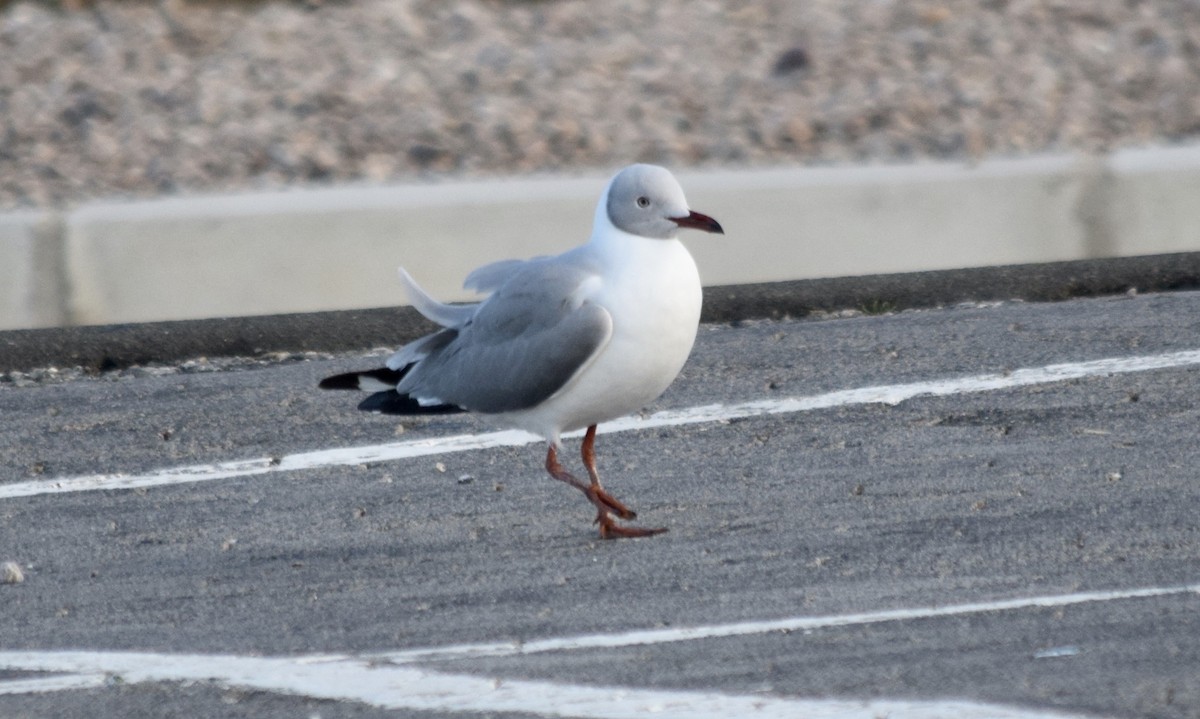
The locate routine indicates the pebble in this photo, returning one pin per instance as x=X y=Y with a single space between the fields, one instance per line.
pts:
x=108 y=99
x=10 y=573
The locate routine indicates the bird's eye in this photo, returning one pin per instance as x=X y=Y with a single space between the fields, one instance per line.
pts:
x=643 y=202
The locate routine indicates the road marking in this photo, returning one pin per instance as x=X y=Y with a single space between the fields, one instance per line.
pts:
x=791 y=624
x=58 y=683
x=394 y=451
x=414 y=689
x=393 y=681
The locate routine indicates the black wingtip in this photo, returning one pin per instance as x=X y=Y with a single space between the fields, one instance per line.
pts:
x=348 y=380
x=392 y=402
x=369 y=380
x=384 y=401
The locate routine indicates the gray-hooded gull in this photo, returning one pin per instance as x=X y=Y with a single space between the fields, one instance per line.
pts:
x=565 y=342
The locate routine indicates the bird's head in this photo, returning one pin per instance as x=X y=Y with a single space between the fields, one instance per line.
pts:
x=646 y=200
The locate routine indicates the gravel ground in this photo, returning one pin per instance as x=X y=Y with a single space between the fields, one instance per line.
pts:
x=128 y=98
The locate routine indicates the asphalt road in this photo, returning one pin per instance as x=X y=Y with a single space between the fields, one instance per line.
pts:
x=890 y=536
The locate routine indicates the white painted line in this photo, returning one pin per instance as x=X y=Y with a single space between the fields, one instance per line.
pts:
x=410 y=688
x=57 y=683
x=391 y=680
x=393 y=451
x=1069 y=650
x=348 y=456
x=791 y=624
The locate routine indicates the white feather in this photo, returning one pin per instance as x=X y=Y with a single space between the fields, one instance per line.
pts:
x=445 y=315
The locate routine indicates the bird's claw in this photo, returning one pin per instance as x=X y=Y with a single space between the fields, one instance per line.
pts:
x=611 y=530
x=606 y=502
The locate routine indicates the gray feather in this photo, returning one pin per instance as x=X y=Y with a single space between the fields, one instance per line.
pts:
x=523 y=344
x=434 y=311
x=491 y=276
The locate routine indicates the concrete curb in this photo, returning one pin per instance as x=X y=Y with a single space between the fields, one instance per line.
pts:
x=101 y=348
x=309 y=250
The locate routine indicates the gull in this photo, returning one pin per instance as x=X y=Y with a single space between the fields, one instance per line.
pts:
x=565 y=342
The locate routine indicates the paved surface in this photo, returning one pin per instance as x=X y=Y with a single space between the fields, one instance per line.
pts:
x=1075 y=499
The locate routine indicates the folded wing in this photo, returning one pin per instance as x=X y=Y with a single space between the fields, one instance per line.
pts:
x=520 y=346
x=512 y=351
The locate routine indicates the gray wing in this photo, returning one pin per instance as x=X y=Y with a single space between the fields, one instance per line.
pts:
x=491 y=276
x=523 y=344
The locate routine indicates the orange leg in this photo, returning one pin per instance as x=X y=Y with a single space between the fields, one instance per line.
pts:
x=588 y=452
x=606 y=505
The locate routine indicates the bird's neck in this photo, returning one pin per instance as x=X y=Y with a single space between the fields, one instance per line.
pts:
x=616 y=248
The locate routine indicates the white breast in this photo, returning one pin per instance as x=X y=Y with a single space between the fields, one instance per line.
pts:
x=652 y=290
